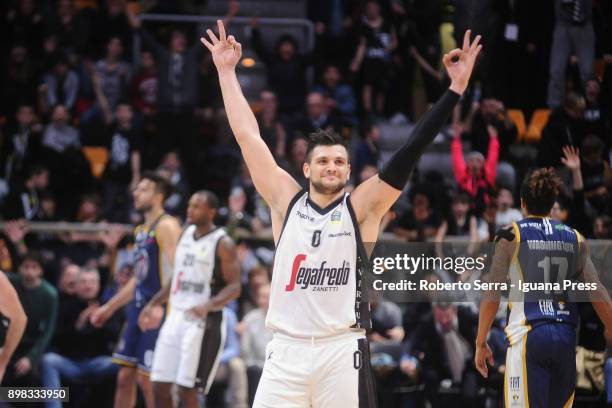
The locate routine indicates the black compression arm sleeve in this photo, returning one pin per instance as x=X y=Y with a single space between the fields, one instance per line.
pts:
x=397 y=170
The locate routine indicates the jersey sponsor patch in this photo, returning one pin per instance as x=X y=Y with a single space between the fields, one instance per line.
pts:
x=321 y=278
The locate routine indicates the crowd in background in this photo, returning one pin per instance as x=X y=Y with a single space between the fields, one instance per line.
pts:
x=69 y=82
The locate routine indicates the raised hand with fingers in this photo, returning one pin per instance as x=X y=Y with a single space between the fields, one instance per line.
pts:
x=459 y=62
x=226 y=51
x=571 y=157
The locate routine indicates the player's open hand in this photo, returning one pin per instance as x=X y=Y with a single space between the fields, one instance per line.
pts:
x=459 y=63
x=226 y=51
x=483 y=356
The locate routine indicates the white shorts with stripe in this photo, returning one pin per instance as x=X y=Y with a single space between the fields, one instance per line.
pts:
x=187 y=351
x=319 y=373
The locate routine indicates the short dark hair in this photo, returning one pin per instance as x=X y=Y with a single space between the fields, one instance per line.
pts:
x=592 y=145
x=211 y=198
x=35 y=170
x=540 y=190
x=161 y=184
x=323 y=138
x=33 y=256
x=461 y=197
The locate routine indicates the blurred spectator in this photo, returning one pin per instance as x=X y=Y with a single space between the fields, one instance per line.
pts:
x=338 y=95
x=255 y=204
x=254 y=337
x=23 y=201
x=492 y=112
x=420 y=223
x=122 y=171
x=317 y=117
x=144 y=88
x=367 y=152
x=112 y=75
x=24 y=24
x=177 y=74
x=386 y=323
x=573 y=35
x=461 y=222
x=20 y=146
x=602 y=227
x=296 y=160
x=334 y=20
x=594 y=114
x=590 y=352
x=571 y=211
x=373 y=57
x=59 y=136
x=60 y=86
x=507 y=213
x=80 y=353
x=440 y=353
x=286 y=69
x=110 y=21
x=39 y=300
x=476 y=176
x=236 y=216
x=231 y=370
x=172 y=169
x=564 y=128
x=67 y=284
x=596 y=174
x=88 y=210
x=271 y=128
x=418 y=25
x=69 y=29
x=19 y=80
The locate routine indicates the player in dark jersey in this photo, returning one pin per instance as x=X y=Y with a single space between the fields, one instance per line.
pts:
x=539 y=254
x=12 y=322
x=155 y=242
x=338 y=376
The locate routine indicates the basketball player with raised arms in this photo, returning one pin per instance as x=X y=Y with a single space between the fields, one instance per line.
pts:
x=155 y=242
x=319 y=355
x=206 y=278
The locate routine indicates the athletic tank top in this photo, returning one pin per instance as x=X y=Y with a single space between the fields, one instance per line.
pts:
x=150 y=268
x=197 y=273
x=317 y=277
x=547 y=253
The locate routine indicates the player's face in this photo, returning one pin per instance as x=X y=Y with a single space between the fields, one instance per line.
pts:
x=198 y=211
x=328 y=169
x=144 y=195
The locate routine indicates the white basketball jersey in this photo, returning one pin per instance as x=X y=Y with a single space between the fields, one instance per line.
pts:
x=316 y=280
x=195 y=268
